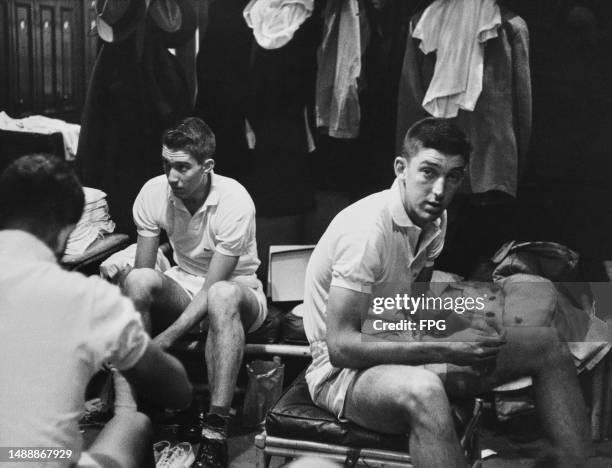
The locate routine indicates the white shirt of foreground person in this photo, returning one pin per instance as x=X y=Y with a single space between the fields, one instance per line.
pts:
x=57 y=328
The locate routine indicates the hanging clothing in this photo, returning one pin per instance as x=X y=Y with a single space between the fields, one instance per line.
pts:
x=457 y=31
x=274 y=22
x=133 y=96
x=345 y=38
x=240 y=82
x=500 y=125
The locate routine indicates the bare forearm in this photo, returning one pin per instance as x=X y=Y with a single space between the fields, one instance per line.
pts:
x=193 y=314
x=352 y=351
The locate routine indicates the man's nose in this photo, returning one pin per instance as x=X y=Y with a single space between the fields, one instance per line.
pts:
x=173 y=175
x=439 y=187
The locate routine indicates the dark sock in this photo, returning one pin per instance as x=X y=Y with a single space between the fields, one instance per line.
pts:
x=216 y=423
x=222 y=411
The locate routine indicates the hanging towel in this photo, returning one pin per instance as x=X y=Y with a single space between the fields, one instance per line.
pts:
x=275 y=21
x=345 y=37
x=457 y=31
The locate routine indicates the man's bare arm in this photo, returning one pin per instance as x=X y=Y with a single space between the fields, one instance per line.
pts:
x=161 y=377
x=146 y=252
x=221 y=268
x=347 y=349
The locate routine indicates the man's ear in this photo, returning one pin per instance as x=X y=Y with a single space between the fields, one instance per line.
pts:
x=399 y=165
x=208 y=165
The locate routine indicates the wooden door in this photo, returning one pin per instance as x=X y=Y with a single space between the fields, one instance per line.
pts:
x=5 y=54
x=24 y=95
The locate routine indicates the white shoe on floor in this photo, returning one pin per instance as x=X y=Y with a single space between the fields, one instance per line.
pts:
x=159 y=448
x=179 y=456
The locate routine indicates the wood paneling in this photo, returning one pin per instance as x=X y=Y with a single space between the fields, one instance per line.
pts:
x=24 y=46
x=48 y=59
x=4 y=54
x=45 y=53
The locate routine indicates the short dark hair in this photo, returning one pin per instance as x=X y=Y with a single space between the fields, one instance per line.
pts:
x=440 y=134
x=41 y=189
x=193 y=136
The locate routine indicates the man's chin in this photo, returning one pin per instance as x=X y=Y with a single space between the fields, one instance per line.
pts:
x=431 y=214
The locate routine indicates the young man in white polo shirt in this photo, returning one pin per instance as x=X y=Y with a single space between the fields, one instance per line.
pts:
x=397 y=382
x=210 y=222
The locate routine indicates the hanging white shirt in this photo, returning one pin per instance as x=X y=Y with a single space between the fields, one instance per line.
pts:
x=457 y=31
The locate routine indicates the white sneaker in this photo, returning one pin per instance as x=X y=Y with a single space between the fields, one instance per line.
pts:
x=159 y=448
x=179 y=456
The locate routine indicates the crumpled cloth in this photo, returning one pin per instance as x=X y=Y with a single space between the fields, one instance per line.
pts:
x=45 y=125
x=457 y=31
x=275 y=21
x=114 y=264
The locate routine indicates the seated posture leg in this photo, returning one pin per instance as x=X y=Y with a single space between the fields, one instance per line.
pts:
x=538 y=352
x=125 y=441
x=232 y=309
x=159 y=298
x=396 y=399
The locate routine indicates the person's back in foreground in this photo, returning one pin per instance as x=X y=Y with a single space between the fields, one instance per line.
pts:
x=399 y=381
x=58 y=329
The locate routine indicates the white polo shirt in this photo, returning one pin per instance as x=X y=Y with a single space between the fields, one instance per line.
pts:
x=372 y=247
x=225 y=223
x=56 y=330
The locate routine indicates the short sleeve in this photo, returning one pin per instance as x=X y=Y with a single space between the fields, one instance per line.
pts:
x=116 y=332
x=146 y=210
x=355 y=263
x=437 y=244
x=235 y=224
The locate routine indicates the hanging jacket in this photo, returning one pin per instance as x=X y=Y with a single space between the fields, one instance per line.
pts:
x=500 y=125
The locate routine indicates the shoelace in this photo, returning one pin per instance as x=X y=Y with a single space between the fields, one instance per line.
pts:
x=174 y=457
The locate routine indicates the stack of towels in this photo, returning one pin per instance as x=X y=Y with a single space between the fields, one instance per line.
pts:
x=94 y=223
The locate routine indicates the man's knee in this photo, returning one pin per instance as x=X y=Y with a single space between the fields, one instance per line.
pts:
x=423 y=399
x=540 y=348
x=548 y=346
x=223 y=302
x=141 y=281
x=143 y=425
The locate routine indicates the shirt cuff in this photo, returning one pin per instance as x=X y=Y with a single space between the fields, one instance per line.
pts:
x=224 y=251
x=352 y=285
x=147 y=233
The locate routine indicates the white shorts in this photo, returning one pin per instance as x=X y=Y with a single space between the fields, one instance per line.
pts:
x=192 y=285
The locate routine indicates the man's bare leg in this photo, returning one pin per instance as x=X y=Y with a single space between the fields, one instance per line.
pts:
x=397 y=399
x=156 y=296
x=126 y=440
x=537 y=352
x=232 y=308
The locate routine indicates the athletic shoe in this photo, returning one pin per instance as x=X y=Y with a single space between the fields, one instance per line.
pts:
x=213 y=450
x=159 y=448
x=179 y=456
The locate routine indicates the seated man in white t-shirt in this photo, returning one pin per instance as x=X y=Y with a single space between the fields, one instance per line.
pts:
x=58 y=328
x=210 y=222
x=396 y=380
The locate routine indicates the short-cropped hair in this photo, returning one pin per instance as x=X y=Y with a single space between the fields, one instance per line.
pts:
x=443 y=135
x=193 y=136
x=42 y=189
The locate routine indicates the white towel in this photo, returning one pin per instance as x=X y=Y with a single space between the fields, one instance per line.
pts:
x=457 y=31
x=275 y=21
